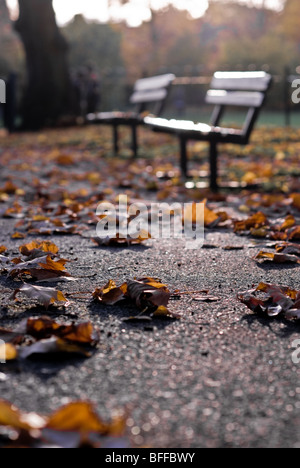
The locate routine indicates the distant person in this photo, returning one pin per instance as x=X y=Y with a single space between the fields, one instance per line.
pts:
x=93 y=91
x=180 y=101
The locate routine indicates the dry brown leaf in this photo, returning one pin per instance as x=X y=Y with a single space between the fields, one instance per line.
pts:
x=10 y=416
x=41 y=268
x=279 y=300
x=294 y=233
x=211 y=218
x=18 y=235
x=36 y=249
x=289 y=222
x=58 y=265
x=79 y=417
x=255 y=221
x=277 y=257
x=120 y=240
x=164 y=312
x=288 y=248
x=145 y=293
x=44 y=296
x=44 y=327
x=110 y=294
x=148 y=292
x=74 y=425
x=8 y=352
x=53 y=345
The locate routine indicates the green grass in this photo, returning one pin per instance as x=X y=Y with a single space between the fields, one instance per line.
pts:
x=267 y=117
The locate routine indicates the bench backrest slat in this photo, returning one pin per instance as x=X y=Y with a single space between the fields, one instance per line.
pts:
x=148 y=96
x=238 y=89
x=241 y=81
x=235 y=98
x=152 y=90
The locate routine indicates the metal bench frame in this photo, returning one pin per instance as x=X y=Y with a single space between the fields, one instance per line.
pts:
x=227 y=89
x=148 y=93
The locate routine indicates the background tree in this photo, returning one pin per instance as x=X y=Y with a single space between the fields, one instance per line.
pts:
x=48 y=91
x=290 y=20
x=11 y=54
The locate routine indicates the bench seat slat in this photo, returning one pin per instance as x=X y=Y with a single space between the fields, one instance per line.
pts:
x=195 y=131
x=148 y=94
x=114 y=118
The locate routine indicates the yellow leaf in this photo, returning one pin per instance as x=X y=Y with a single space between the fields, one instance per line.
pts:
x=8 y=352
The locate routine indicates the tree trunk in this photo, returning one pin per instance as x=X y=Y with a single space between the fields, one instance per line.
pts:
x=48 y=92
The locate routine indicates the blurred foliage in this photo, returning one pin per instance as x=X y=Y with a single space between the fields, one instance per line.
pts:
x=94 y=43
x=98 y=47
x=11 y=53
x=229 y=36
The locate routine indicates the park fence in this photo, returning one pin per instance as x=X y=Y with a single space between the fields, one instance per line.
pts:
x=187 y=95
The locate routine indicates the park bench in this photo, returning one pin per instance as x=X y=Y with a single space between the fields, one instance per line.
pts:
x=149 y=94
x=227 y=89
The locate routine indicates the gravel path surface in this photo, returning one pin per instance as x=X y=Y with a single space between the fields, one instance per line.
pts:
x=219 y=377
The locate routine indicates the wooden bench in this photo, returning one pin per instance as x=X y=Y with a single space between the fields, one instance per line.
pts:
x=227 y=89
x=149 y=95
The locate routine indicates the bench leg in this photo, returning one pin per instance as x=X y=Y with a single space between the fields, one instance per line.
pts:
x=134 y=140
x=116 y=139
x=183 y=156
x=213 y=159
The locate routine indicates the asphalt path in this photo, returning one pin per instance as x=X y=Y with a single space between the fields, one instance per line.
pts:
x=221 y=376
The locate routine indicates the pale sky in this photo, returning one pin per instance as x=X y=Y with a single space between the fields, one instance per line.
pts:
x=135 y=12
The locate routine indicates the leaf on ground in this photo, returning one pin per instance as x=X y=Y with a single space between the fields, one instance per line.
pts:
x=121 y=240
x=77 y=417
x=18 y=235
x=277 y=257
x=255 y=221
x=58 y=265
x=8 y=352
x=10 y=416
x=193 y=215
x=41 y=268
x=44 y=296
x=36 y=249
x=74 y=425
x=110 y=294
x=148 y=292
x=164 y=312
x=288 y=223
x=288 y=248
x=278 y=300
x=4 y=261
x=53 y=345
x=44 y=327
x=295 y=200
x=294 y=233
